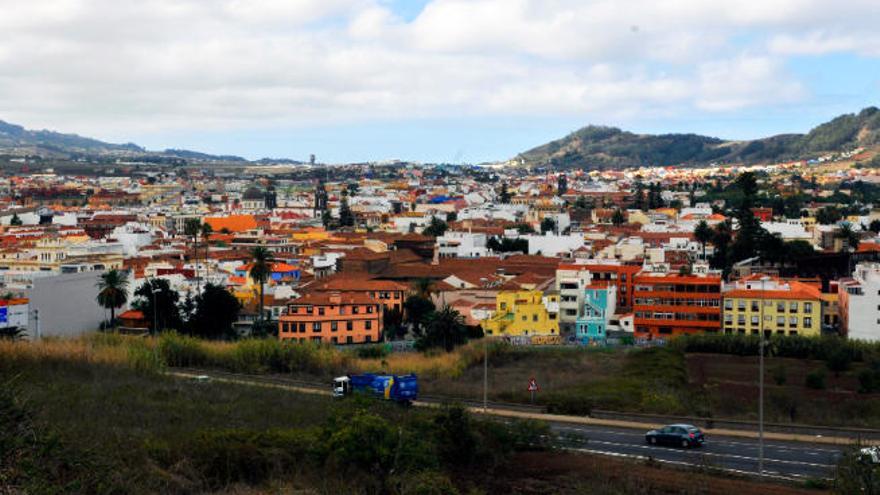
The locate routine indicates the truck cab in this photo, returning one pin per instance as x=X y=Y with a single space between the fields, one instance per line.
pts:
x=341 y=386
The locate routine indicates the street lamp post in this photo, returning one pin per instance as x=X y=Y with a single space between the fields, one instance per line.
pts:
x=761 y=389
x=485 y=374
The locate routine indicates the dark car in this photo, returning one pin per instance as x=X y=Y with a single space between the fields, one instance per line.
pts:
x=677 y=435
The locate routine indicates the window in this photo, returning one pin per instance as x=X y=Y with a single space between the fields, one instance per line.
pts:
x=728 y=304
x=302 y=328
x=754 y=320
x=534 y=317
x=741 y=304
x=334 y=340
x=780 y=307
x=793 y=321
x=780 y=321
x=309 y=310
x=808 y=322
x=808 y=307
x=741 y=320
x=369 y=309
x=333 y=326
x=316 y=326
x=294 y=310
x=524 y=318
x=369 y=338
x=321 y=311
x=349 y=340
x=368 y=325
x=503 y=306
x=355 y=310
x=728 y=318
x=349 y=326
x=755 y=306
x=793 y=307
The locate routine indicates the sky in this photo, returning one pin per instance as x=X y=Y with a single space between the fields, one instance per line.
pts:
x=462 y=81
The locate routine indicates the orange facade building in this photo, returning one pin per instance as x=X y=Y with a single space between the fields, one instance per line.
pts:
x=669 y=305
x=332 y=318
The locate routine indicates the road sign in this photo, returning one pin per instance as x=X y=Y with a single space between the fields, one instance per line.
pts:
x=533 y=385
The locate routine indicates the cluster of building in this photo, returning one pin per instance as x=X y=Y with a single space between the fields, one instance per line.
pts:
x=546 y=257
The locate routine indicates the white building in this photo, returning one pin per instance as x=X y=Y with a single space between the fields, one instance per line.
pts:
x=463 y=245
x=554 y=245
x=571 y=280
x=859 y=299
x=14 y=313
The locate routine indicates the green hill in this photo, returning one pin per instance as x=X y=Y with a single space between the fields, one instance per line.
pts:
x=610 y=147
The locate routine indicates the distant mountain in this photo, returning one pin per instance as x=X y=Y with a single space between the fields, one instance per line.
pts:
x=16 y=140
x=16 y=136
x=610 y=147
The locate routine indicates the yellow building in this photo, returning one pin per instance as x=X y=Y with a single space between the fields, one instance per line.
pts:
x=774 y=306
x=524 y=313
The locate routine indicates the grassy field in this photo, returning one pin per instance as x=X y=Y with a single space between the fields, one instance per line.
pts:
x=94 y=416
x=572 y=379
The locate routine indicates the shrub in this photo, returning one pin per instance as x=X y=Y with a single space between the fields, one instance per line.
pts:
x=372 y=352
x=144 y=358
x=779 y=374
x=839 y=360
x=181 y=350
x=816 y=379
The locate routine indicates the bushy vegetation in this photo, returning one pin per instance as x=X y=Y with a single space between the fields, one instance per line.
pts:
x=836 y=351
x=652 y=380
x=186 y=437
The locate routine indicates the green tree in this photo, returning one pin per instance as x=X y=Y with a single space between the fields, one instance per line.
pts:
x=113 y=291
x=261 y=270
x=849 y=236
x=15 y=221
x=504 y=197
x=436 y=228
x=444 y=328
x=721 y=241
x=346 y=217
x=524 y=228
x=703 y=234
x=416 y=310
x=216 y=311
x=548 y=225
x=828 y=215
x=159 y=303
x=206 y=232
x=639 y=196
x=874 y=226
x=618 y=218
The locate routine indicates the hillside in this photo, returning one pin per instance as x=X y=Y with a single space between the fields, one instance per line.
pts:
x=610 y=147
x=16 y=140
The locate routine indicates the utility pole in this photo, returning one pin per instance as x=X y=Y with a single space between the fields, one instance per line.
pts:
x=761 y=389
x=485 y=374
x=37 y=323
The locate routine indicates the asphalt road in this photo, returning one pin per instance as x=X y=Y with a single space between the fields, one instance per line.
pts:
x=782 y=460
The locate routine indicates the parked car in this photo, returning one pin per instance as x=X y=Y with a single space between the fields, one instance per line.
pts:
x=677 y=435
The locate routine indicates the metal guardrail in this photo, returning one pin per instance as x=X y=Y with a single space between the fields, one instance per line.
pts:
x=737 y=424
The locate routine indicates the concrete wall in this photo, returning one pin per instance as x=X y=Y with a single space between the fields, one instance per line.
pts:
x=66 y=304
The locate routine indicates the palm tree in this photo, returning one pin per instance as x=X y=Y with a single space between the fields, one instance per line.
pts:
x=113 y=291
x=703 y=233
x=446 y=329
x=261 y=269
x=191 y=228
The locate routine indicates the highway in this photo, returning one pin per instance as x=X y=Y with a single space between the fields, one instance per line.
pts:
x=783 y=460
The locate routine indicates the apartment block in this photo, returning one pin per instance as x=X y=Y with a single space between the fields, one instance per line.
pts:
x=772 y=306
x=332 y=318
x=668 y=305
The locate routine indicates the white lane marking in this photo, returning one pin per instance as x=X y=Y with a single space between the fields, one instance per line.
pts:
x=769 y=474
x=711 y=454
x=712 y=439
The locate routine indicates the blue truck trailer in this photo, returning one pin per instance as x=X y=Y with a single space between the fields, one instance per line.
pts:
x=398 y=388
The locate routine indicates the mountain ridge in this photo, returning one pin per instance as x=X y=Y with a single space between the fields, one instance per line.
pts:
x=596 y=146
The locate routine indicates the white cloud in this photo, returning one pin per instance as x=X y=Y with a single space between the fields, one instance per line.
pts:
x=114 y=68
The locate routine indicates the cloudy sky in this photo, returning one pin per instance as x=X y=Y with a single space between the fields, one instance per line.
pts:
x=432 y=80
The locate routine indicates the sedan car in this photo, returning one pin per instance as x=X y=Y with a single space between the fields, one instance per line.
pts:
x=677 y=435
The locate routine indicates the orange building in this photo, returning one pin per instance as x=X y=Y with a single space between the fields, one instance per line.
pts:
x=333 y=318
x=667 y=305
x=389 y=293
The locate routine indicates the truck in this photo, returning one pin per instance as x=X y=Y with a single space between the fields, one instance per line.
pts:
x=402 y=389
